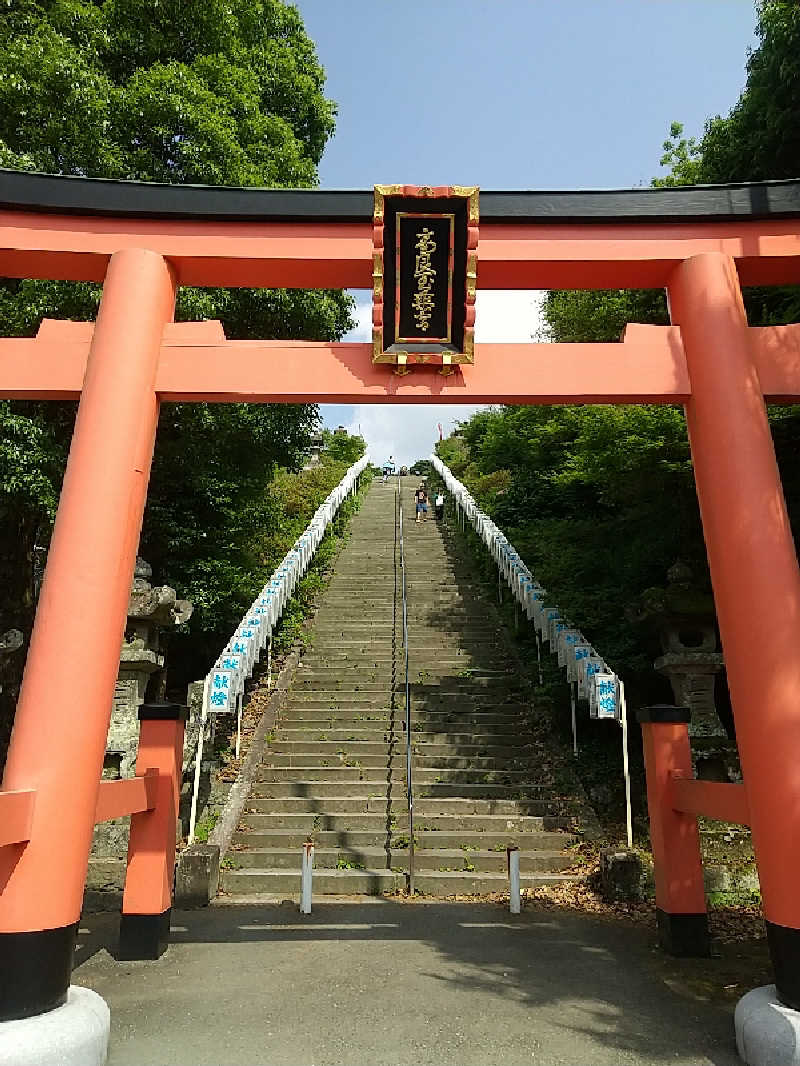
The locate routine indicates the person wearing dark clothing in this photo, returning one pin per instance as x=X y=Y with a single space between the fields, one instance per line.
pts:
x=421 y=502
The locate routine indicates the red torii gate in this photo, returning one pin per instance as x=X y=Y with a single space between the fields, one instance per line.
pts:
x=142 y=241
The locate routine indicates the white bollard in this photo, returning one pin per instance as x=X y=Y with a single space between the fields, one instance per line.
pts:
x=269 y=663
x=305 y=878
x=198 y=764
x=513 y=880
x=239 y=701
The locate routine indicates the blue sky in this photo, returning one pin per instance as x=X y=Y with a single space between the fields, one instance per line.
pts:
x=512 y=94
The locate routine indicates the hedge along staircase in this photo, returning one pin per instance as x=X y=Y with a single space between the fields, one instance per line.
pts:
x=335 y=770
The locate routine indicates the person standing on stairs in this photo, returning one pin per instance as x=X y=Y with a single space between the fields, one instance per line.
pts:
x=438 y=507
x=421 y=502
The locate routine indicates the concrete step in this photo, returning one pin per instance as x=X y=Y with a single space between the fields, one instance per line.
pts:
x=421 y=632
x=329 y=652
x=301 y=771
x=508 y=720
x=351 y=617
x=333 y=758
x=351 y=581
x=420 y=690
x=292 y=838
x=427 y=749
x=426 y=764
x=456 y=654
x=424 y=807
x=436 y=699
x=475 y=798
x=325 y=882
x=258 y=804
x=330 y=793
x=436 y=679
x=437 y=770
x=382 y=593
x=494 y=743
x=381 y=659
x=324 y=788
x=462 y=883
x=397 y=838
x=315 y=746
x=383 y=634
x=384 y=604
x=368 y=645
x=353 y=882
x=344 y=821
x=376 y=858
x=447 y=659
x=453 y=618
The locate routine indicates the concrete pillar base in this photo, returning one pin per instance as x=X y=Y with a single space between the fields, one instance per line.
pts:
x=767 y=1033
x=73 y=1035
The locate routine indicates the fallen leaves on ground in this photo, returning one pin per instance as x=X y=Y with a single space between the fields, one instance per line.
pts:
x=728 y=923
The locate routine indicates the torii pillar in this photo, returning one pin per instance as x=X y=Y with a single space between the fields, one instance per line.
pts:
x=59 y=753
x=756 y=581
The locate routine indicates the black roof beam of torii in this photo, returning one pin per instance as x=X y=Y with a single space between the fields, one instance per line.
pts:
x=67 y=195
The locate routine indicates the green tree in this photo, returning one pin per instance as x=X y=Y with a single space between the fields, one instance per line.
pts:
x=214 y=93
x=629 y=468
x=600 y=500
x=342 y=447
x=758 y=140
x=581 y=492
x=760 y=137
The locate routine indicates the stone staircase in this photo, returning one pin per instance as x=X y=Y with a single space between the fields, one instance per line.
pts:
x=335 y=770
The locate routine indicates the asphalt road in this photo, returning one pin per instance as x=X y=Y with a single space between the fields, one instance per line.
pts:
x=394 y=984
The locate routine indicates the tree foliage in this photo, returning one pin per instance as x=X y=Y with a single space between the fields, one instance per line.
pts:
x=223 y=92
x=241 y=552
x=601 y=500
x=227 y=93
x=342 y=447
x=598 y=500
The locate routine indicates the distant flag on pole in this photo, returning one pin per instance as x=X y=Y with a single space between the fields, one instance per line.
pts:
x=440 y=430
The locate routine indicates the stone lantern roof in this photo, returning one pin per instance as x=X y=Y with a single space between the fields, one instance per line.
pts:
x=684 y=620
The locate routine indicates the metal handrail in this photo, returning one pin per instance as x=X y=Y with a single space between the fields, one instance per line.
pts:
x=409 y=777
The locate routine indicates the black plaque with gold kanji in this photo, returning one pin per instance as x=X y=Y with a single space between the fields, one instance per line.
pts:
x=424 y=274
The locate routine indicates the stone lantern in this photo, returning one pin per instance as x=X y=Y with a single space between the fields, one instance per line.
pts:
x=141 y=669
x=684 y=620
x=10 y=642
x=142 y=675
x=314 y=451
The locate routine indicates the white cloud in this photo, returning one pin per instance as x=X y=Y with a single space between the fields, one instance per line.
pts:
x=409 y=431
x=507 y=316
x=405 y=431
x=362 y=313
x=501 y=315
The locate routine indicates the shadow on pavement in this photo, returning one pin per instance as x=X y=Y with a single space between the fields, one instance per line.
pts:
x=587 y=984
